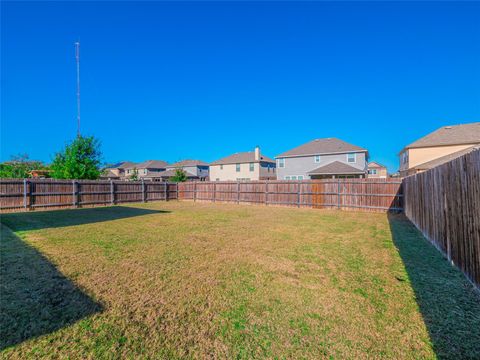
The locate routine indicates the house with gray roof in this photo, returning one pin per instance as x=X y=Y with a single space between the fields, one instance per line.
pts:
x=438 y=147
x=322 y=159
x=194 y=169
x=243 y=166
x=147 y=170
x=116 y=171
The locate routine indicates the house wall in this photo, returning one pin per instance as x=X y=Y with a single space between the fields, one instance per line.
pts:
x=199 y=171
x=301 y=165
x=381 y=172
x=417 y=156
x=229 y=173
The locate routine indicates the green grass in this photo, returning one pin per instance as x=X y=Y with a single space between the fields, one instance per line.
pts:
x=184 y=280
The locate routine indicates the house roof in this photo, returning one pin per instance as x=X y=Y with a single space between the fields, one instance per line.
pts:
x=109 y=174
x=188 y=162
x=442 y=160
x=171 y=172
x=149 y=164
x=242 y=157
x=375 y=164
x=322 y=146
x=121 y=165
x=334 y=168
x=450 y=135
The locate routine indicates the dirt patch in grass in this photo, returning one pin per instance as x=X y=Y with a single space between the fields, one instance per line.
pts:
x=184 y=280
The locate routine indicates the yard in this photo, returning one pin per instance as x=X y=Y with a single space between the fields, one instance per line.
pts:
x=191 y=280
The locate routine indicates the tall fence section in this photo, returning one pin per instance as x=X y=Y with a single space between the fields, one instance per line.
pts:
x=360 y=194
x=29 y=194
x=444 y=203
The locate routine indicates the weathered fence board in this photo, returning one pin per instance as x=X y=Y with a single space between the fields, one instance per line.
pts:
x=360 y=194
x=444 y=203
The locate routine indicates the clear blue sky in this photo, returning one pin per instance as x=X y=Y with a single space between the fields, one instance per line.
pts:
x=199 y=80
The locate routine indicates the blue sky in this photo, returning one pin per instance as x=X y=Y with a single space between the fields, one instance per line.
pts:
x=174 y=80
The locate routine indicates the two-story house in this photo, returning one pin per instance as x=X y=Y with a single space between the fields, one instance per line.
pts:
x=243 y=166
x=194 y=169
x=377 y=170
x=321 y=159
x=117 y=171
x=147 y=170
x=438 y=147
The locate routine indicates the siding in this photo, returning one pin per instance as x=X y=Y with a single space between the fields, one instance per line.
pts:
x=301 y=165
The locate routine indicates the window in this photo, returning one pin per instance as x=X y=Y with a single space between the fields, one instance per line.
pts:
x=317 y=158
x=372 y=171
x=217 y=179
x=287 y=177
x=294 y=177
x=145 y=171
x=300 y=177
x=237 y=167
x=252 y=166
x=221 y=167
x=351 y=157
x=281 y=163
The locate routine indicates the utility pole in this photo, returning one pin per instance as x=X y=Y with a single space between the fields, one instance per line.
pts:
x=77 y=58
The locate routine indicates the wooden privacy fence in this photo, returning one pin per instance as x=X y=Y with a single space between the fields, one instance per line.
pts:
x=444 y=203
x=360 y=194
x=29 y=194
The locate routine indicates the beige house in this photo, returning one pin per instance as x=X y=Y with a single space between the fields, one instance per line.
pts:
x=438 y=147
x=376 y=170
x=243 y=166
x=117 y=171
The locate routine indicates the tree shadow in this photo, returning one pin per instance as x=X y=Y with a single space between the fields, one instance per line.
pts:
x=448 y=302
x=36 y=298
x=60 y=218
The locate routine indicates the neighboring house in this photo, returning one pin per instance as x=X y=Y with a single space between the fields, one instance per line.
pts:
x=438 y=147
x=116 y=171
x=322 y=159
x=147 y=170
x=194 y=169
x=377 y=170
x=243 y=166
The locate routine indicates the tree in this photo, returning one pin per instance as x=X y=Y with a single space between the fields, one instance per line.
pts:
x=79 y=160
x=134 y=176
x=180 y=176
x=20 y=166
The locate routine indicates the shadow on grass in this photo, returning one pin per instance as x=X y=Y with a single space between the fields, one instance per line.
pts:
x=449 y=304
x=60 y=218
x=36 y=298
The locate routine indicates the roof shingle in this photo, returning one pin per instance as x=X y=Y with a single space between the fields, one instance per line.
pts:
x=188 y=162
x=450 y=135
x=334 y=168
x=242 y=157
x=322 y=146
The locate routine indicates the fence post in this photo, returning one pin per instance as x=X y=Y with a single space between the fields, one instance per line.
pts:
x=194 y=191
x=266 y=192
x=299 y=193
x=143 y=190
x=338 y=194
x=214 y=188
x=25 y=194
x=165 y=190
x=112 y=193
x=238 y=192
x=177 y=190
x=74 y=193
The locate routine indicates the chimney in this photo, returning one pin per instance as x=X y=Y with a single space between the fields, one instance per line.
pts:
x=257 y=153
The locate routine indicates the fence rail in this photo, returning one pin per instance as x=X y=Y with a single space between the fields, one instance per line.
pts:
x=444 y=203
x=363 y=194
x=29 y=194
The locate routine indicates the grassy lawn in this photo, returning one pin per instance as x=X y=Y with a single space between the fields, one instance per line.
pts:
x=184 y=280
